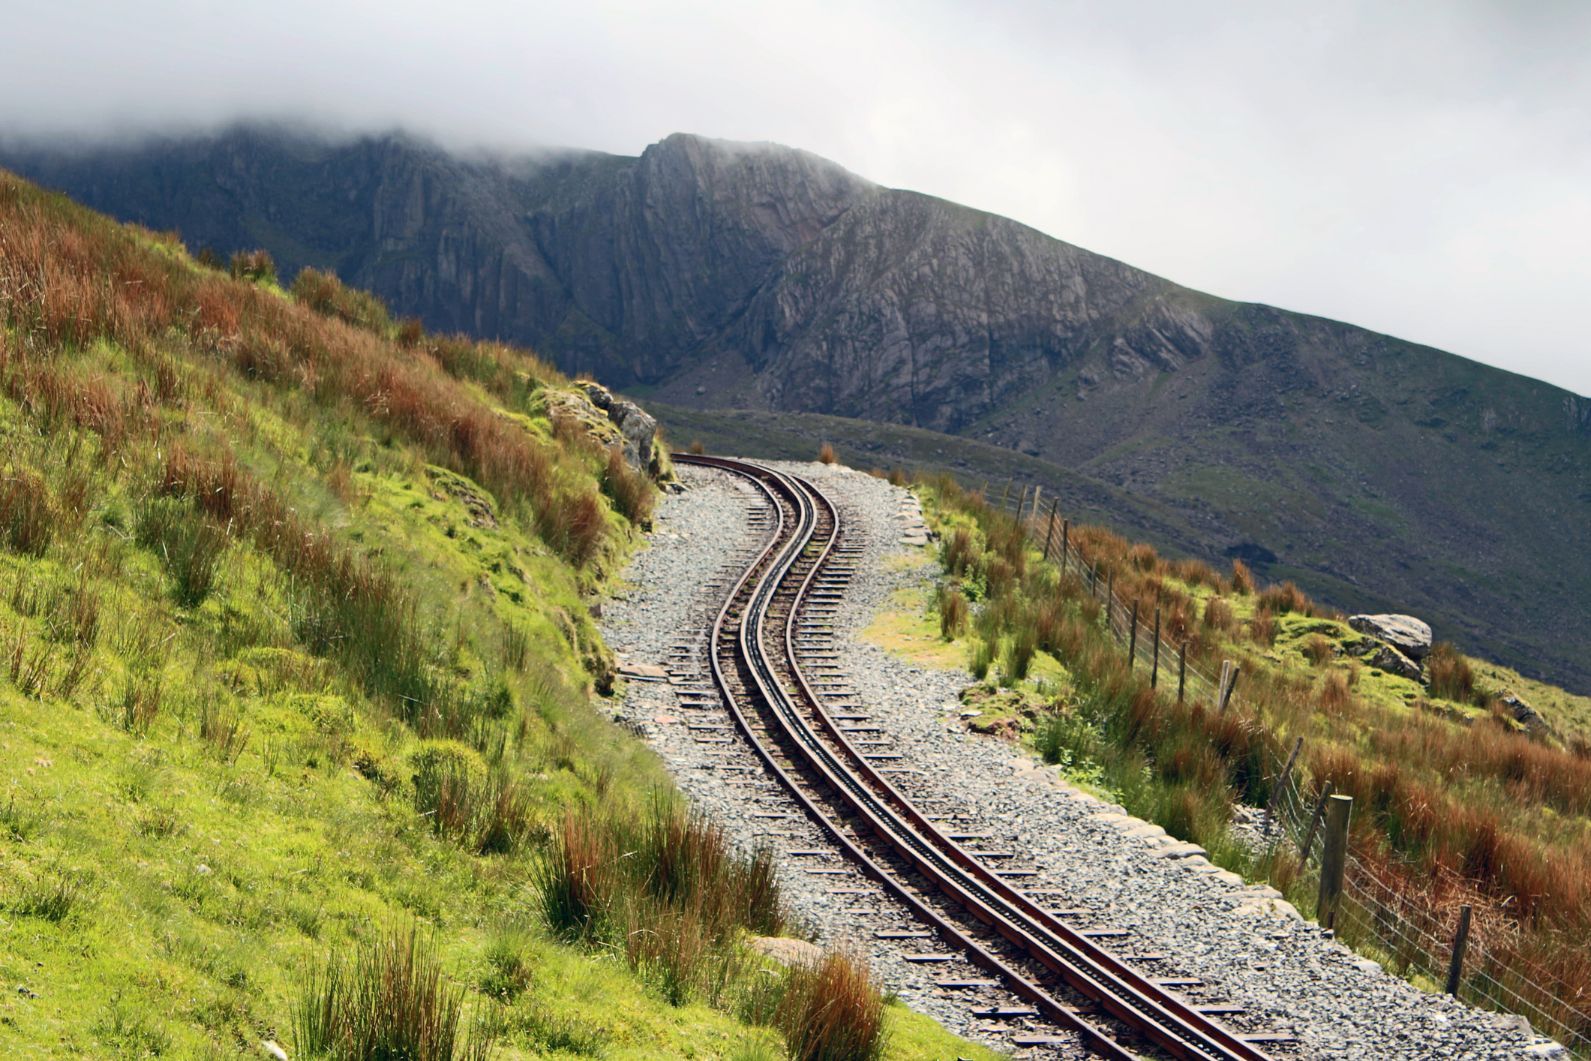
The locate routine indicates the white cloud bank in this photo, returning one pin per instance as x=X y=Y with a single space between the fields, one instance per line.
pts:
x=1423 y=168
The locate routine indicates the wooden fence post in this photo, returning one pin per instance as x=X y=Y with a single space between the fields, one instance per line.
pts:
x=1110 y=592
x=1455 y=965
x=1005 y=495
x=1033 y=509
x=1182 y=670
x=1154 y=669
x=1277 y=789
x=1334 y=862
x=1049 y=535
x=1022 y=503
x=1314 y=822
x=1228 y=683
x=1132 y=637
x=1066 y=543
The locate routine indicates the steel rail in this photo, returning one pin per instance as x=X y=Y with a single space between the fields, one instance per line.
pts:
x=1095 y=972
x=1120 y=991
x=1019 y=984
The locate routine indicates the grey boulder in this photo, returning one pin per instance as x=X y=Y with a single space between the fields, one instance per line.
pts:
x=636 y=425
x=1408 y=635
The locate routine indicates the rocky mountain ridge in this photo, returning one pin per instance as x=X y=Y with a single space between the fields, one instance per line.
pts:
x=1378 y=473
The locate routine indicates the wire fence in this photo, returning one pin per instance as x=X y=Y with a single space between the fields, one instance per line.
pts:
x=1403 y=928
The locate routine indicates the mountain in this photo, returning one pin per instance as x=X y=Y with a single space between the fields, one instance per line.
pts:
x=707 y=275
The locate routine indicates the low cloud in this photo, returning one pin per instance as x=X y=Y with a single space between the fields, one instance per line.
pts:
x=1423 y=169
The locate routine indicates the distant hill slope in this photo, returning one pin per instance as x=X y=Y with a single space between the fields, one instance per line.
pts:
x=707 y=275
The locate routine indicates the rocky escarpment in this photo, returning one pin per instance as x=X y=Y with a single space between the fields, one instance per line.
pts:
x=1375 y=472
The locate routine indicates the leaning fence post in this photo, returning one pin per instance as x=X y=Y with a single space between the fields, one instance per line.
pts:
x=1005 y=495
x=1066 y=543
x=1022 y=503
x=1228 y=683
x=1033 y=509
x=1182 y=670
x=1132 y=637
x=1314 y=822
x=1455 y=965
x=1276 y=790
x=1334 y=861
x=1154 y=670
x=1049 y=535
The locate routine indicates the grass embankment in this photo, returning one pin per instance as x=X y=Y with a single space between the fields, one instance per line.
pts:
x=296 y=673
x=1455 y=802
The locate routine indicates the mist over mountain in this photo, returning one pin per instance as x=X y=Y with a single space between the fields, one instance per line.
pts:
x=1378 y=473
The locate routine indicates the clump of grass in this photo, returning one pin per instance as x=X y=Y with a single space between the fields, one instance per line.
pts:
x=1020 y=649
x=1063 y=738
x=696 y=447
x=1262 y=628
x=576 y=883
x=1242 y=578
x=1334 y=695
x=391 y=1002
x=1450 y=674
x=51 y=897
x=488 y=812
x=1318 y=649
x=325 y=293
x=27 y=664
x=1286 y=597
x=959 y=552
x=982 y=658
x=504 y=821
x=826 y=454
x=1218 y=616
x=189 y=544
x=630 y=490
x=953 y=612
x=508 y=971
x=141 y=700
x=27 y=512
x=832 y=1010
x=17 y=821
x=410 y=332
x=667 y=888
x=221 y=727
x=257 y=265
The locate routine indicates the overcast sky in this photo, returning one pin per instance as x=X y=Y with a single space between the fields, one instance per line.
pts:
x=1419 y=168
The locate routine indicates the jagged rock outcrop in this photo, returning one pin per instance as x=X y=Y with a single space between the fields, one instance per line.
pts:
x=760 y=277
x=1524 y=714
x=637 y=427
x=1408 y=635
x=1384 y=657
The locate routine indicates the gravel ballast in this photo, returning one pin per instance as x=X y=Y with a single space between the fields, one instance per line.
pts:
x=1243 y=945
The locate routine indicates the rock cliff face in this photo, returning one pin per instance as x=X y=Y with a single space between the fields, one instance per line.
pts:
x=1376 y=472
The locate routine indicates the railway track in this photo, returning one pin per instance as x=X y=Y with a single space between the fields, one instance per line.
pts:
x=773 y=663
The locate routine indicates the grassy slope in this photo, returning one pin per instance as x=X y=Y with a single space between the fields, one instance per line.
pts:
x=1454 y=800
x=195 y=804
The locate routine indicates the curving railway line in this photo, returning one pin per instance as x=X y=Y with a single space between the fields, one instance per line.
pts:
x=768 y=653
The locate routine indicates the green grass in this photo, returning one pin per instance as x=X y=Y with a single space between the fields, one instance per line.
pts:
x=1448 y=787
x=282 y=676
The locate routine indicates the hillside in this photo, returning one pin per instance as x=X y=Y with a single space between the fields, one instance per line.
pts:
x=1460 y=797
x=298 y=679
x=1378 y=473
